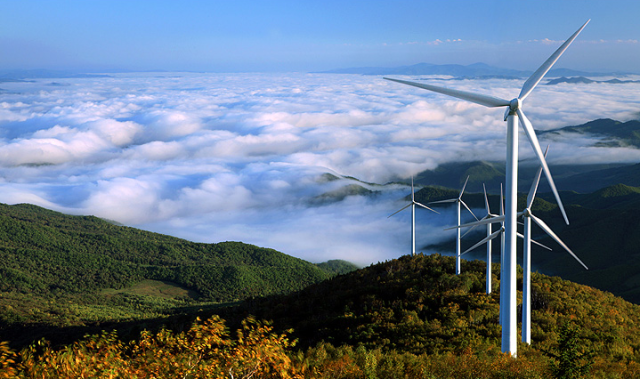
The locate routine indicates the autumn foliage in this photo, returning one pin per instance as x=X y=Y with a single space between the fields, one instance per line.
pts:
x=208 y=350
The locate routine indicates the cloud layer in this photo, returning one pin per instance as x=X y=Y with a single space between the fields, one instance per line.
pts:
x=215 y=157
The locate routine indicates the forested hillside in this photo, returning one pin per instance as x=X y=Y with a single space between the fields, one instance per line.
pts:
x=405 y=318
x=62 y=270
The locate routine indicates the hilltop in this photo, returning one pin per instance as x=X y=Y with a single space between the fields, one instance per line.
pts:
x=416 y=305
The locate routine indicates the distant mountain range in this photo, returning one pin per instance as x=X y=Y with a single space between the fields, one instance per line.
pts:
x=583 y=80
x=22 y=75
x=475 y=71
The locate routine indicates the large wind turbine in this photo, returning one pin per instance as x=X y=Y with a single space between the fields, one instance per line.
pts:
x=513 y=114
x=458 y=201
x=413 y=204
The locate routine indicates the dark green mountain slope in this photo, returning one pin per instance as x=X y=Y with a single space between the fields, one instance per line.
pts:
x=616 y=133
x=586 y=182
x=337 y=266
x=572 y=177
x=62 y=269
x=604 y=231
x=580 y=178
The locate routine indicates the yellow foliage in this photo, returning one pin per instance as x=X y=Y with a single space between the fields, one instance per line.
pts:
x=204 y=351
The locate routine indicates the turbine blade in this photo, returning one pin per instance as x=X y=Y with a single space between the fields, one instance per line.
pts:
x=486 y=200
x=541 y=245
x=443 y=201
x=534 y=79
x=485 y=221
x=487 y=101
x=425 y=207
x=550 y=232
x=484 y=240
x=531 y=134
x=405 y=207
x=463 y=187
x=469 y=230
x=506 y=113
x=536 y=182
x=412 y=196
x=534 y=242
x=501 y=201
x=469 y=209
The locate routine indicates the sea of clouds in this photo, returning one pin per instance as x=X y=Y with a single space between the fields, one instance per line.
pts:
x=241 y=157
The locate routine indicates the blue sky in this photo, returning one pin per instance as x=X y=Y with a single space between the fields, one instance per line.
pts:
x=241 y=36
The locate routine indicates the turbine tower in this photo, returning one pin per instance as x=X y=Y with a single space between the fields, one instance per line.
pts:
x=413 y=217
x=458 y=201
x=513 y=114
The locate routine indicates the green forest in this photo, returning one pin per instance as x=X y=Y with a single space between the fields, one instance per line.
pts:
x=73 y=271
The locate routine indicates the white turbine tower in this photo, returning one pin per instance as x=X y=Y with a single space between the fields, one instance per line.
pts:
x=458 y=201
x=412 y=204
x=526 y=255
x=489 y=232
x=513 y=113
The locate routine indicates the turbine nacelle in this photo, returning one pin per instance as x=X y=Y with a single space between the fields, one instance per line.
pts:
x=515 y=104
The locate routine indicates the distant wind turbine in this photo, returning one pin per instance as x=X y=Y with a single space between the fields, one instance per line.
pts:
x=412 y=204
x=488 y=220
x=512 y=115
x=489 y=232
x=526 y=257
x=458 y=201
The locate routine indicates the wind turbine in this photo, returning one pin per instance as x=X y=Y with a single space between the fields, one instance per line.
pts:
x=528 y=216
x=489 y=233
x=526 y=255
x=512 y=114
x=413 y=204
x=458 y=201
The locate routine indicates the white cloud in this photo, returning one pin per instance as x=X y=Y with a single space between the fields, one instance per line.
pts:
x=214 y=157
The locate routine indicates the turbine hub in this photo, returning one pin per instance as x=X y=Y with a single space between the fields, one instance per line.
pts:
x=515 y=104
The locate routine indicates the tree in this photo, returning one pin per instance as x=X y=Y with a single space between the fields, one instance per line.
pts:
x=571 y=362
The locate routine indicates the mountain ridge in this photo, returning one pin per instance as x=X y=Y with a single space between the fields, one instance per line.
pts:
x=475 y=70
